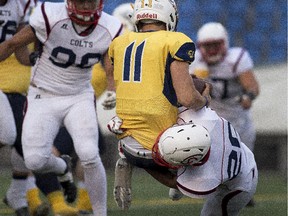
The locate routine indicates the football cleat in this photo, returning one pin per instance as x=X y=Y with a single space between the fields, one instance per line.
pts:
x=67 y=182
x=175 y=194
x=42 y=210
x=122 y=185
x=251 y=203
x=22 y=212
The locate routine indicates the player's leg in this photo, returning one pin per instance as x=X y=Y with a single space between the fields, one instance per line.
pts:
x=226 y=201
x=81 y=123
x=63 y=144
x=122 y=191
x=7 y=122
x=16 y=194
x=83 y=201
x=43 y=117
x=136 y=155
x=20 y=182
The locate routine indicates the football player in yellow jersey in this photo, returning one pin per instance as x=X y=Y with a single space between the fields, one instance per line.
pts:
x=151 y=73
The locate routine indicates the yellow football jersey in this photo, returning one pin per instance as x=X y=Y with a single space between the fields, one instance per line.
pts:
x=146 y=100
x=15 y=77
x=98 y=80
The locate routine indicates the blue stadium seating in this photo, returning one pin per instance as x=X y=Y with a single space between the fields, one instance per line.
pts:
x=253 y=22
x=236 y=7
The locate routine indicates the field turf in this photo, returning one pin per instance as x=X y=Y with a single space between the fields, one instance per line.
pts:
x=151 y=198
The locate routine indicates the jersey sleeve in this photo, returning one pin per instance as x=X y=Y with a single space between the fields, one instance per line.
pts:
x=182 y=48
x=112 y=24
x=111 y=52
x=245 y=63
x=37 y=22
x=24 y=9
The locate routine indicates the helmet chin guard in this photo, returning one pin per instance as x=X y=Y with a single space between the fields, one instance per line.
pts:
x=83 y=15
x=182 y=145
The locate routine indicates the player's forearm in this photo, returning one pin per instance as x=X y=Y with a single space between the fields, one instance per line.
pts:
x=22 y=55
x=5 y=50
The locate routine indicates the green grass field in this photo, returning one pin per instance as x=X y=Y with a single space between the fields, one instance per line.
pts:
x=151 y=198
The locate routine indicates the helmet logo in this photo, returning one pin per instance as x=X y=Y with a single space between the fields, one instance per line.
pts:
x=192 y=159
x=191 y=54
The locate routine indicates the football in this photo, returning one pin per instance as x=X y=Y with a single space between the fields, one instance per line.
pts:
x=199 y=83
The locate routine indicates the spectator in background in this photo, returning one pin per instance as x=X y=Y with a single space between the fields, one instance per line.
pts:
x=230 y=71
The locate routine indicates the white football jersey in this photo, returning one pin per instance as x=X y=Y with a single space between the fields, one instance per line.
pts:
x=230 y=161
x=227 y=90
x=223 y=75
x=12 y=14
x=65 y=64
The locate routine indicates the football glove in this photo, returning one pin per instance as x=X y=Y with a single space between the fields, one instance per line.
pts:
x=114 y=125
x=110 y=100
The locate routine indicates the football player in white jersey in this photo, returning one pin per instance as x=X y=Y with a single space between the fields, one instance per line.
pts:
x=74 y=36
x=230 y=70
x=211 y=161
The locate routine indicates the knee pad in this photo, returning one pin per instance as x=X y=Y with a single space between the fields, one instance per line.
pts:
x=36 y=163
x=8 y=137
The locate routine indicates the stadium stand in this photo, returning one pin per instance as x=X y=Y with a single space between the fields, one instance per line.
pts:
x=260 y=25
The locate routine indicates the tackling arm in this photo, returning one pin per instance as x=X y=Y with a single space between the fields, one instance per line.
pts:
x=17 y=43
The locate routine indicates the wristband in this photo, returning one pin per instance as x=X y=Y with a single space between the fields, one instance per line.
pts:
x=249 y=95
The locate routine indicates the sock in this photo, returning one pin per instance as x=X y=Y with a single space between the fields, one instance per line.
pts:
x=33 y=198
x=58 y=204
x=83 y=202
x=16 y=194
x=96 y=185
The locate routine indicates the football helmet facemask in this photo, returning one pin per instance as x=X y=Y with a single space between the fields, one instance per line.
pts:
x=182 y=145
x=212 y=41
x=84 y=12
x=149 y=11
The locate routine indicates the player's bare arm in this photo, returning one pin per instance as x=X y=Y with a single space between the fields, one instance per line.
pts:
x=108 y=67
x=21 y=39
x=251 y=87
x=22 y=54
x=186 y=92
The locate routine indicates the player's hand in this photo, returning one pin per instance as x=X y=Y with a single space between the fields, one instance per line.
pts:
x=114 y=125
x=110 y=100
x=245 y=102
x=206 y=93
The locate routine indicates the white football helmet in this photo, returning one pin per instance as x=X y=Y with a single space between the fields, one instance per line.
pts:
x=124 y=13
x=84 y=12
x=212 y=41
x=156 y=10
x=182 y=145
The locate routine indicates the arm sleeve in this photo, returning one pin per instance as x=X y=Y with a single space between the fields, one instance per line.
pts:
x=245 y=63
x=37 y=22
x=182 y=48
